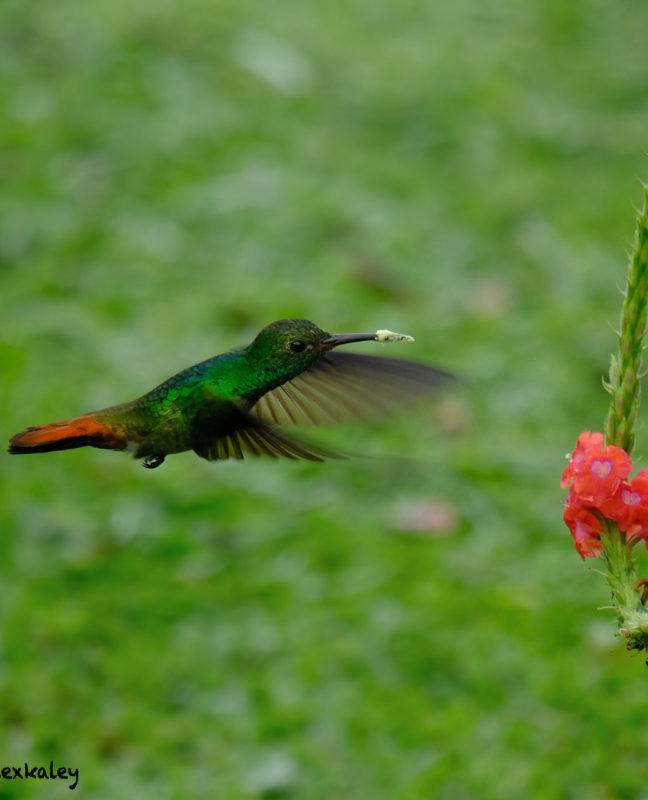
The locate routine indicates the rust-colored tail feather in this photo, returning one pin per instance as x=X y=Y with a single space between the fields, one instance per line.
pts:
x=85 y=430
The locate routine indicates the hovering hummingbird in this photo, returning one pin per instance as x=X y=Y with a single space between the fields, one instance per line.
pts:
x=237 y=403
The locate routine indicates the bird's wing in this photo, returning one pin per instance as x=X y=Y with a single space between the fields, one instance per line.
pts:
x=346 y=386
x=235 y=434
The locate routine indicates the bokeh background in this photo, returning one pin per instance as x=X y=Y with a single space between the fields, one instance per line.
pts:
x=413 y=624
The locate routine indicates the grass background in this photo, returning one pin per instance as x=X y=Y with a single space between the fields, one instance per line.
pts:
x=177 y=175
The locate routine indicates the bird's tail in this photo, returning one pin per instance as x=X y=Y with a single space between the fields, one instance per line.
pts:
x=79 y=432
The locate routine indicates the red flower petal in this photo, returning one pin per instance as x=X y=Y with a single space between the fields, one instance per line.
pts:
x=632 y=506
x=599 y=473
x=586 y=441
x=585 y=527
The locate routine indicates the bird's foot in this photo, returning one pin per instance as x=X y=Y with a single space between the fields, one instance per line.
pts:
x=644 y=592
x=151 y=462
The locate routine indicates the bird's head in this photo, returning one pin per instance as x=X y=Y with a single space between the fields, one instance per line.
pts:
x=293 y=345
x=300 y=338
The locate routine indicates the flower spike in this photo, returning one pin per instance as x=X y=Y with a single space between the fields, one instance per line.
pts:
x=606 y=513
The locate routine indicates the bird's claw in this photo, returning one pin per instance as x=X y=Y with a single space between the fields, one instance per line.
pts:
x=151 y=462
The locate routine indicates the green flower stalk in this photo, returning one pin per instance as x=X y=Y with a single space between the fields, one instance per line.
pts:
x=625 y=388
x=624 y=384
x=621 y=576
x=606 y=511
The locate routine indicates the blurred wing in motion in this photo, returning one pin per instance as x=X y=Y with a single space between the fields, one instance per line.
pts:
x=347 y=386
x=247 y=435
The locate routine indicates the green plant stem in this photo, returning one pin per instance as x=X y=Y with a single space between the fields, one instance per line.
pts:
x=621 y=577
x=625 y=388
x=624 y=383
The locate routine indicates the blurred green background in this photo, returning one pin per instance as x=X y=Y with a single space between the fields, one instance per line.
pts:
x=414 y=624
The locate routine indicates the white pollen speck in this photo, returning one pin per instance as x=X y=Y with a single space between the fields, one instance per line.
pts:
x=390 y=336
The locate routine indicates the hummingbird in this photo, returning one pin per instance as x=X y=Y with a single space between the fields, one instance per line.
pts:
x=240 y=402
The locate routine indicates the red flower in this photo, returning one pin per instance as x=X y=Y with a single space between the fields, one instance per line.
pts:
x=599 y=489
x=596 y=471
x=585 y=441
x=630 y=507
x=585 y=527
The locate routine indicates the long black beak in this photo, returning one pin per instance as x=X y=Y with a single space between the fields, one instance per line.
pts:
x=336 y=339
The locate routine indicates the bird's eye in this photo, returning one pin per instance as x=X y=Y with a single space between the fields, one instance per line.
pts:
x=297 y=346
